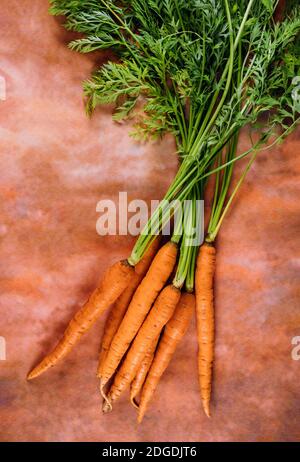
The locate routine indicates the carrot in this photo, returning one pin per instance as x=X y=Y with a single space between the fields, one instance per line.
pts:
x=146 y=293
x=173 y=333
x=159 y=315
x=138 y=381
x=205 y=270
x=113 y=284
x=119 y=308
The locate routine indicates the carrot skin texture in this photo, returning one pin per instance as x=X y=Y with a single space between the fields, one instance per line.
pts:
x=142 y=300
x=160 y=314
x=173 y=333
x=119 y=308
x=114 y=282
x=205 y=270
x=137 y=383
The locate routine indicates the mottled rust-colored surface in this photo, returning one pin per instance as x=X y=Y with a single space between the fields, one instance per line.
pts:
x=55 y=166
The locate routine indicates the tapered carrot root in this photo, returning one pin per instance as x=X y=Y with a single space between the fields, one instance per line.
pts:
x=115 y=280
x=173 y=333
x=159 y=315
x=205 y=320
x=119 y=308
x=146 y=293
x=138 y=381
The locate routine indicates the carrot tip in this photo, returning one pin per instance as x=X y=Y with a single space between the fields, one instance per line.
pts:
x=133 y=402
x=206 y=408
x=141 y=414
x=32 y=375
x=107 y=407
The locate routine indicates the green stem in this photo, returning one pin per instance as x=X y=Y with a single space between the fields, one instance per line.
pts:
x=233 y=46
x=190 y=277
x=229 y=69
x=161 y=216
x=177 y=233
x=212 y=235
x=186 y=249
x=216 y=190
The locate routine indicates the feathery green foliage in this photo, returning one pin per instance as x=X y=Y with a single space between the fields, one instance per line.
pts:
x=173 y=53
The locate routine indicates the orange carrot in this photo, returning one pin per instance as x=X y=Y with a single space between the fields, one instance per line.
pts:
x=113 y=284
x=119 y=308
x=159 y=315
x=146 y=293
x=138 y=381
x=173 y=333
x=205 y=319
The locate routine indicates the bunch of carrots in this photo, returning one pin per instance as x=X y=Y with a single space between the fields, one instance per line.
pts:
x=148 y=319
x=204 y=70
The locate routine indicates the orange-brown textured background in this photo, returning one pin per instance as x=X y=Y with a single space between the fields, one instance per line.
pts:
x=55 y=166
